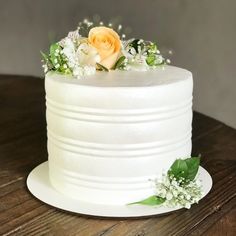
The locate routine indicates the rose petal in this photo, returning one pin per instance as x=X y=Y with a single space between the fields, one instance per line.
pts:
x=110 y=61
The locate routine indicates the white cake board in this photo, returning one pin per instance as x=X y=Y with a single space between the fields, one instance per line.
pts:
x=39 y=185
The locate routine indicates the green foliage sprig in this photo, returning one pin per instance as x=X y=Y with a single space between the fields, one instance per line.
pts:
x=56 y=60
x=147 y=49
x=179 y=187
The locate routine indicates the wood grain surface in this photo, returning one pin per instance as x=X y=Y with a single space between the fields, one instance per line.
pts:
x=23 y=147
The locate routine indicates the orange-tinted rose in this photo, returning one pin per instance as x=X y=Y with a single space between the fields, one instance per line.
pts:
x=108 y=44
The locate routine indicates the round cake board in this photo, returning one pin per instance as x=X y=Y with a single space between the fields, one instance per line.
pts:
x=39 y=185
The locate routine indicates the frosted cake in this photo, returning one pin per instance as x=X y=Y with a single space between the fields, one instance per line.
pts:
x=118 y=121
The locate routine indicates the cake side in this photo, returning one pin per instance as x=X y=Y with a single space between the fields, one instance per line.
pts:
x=107 y=139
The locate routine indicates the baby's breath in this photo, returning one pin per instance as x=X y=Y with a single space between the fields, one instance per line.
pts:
x=178 y=193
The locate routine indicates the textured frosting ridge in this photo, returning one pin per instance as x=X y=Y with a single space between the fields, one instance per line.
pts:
x=110 y=133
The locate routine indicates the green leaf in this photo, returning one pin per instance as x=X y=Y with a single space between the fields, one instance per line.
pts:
x=119 y=62
x=151 y=59
x=193 y=166
x=134 y=44
x=152 y=47
x=150 y=201
x=101 y=67
x=186 y=169
x=53 y=56
x=53 y=48
x=179 y=169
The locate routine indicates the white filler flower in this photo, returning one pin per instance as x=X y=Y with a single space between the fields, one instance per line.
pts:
x=82 y=59
x=87 y=55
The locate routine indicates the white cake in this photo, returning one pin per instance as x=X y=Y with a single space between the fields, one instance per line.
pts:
x=110 y=133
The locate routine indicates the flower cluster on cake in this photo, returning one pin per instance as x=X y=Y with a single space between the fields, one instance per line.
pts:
x=161 y=112
x=179 y=187
x=91 y=48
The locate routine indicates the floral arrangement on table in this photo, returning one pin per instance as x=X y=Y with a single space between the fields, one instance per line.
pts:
x=179 y=187
x=96 y=47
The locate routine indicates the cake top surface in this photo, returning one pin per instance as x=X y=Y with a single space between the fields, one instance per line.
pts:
x=162 y=75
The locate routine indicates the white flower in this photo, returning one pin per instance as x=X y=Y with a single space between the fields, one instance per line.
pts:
x=174 y=183
x=74 y=36
x=163 y=192
x=198 y=182
x=187 y=205
x=45 y=68
x=136 y=61
x=188 y=197
x=77 y=71
x=69 y=52
x=80 y=71
x=159 y=59
x=177 y=192
x=169 y=196
x=82 y=59
x=87 y=55
x=89 y=70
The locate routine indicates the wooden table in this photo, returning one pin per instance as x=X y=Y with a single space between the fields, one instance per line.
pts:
x=23 y=146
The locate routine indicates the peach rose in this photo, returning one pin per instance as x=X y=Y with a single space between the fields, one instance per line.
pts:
x=108 y=44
